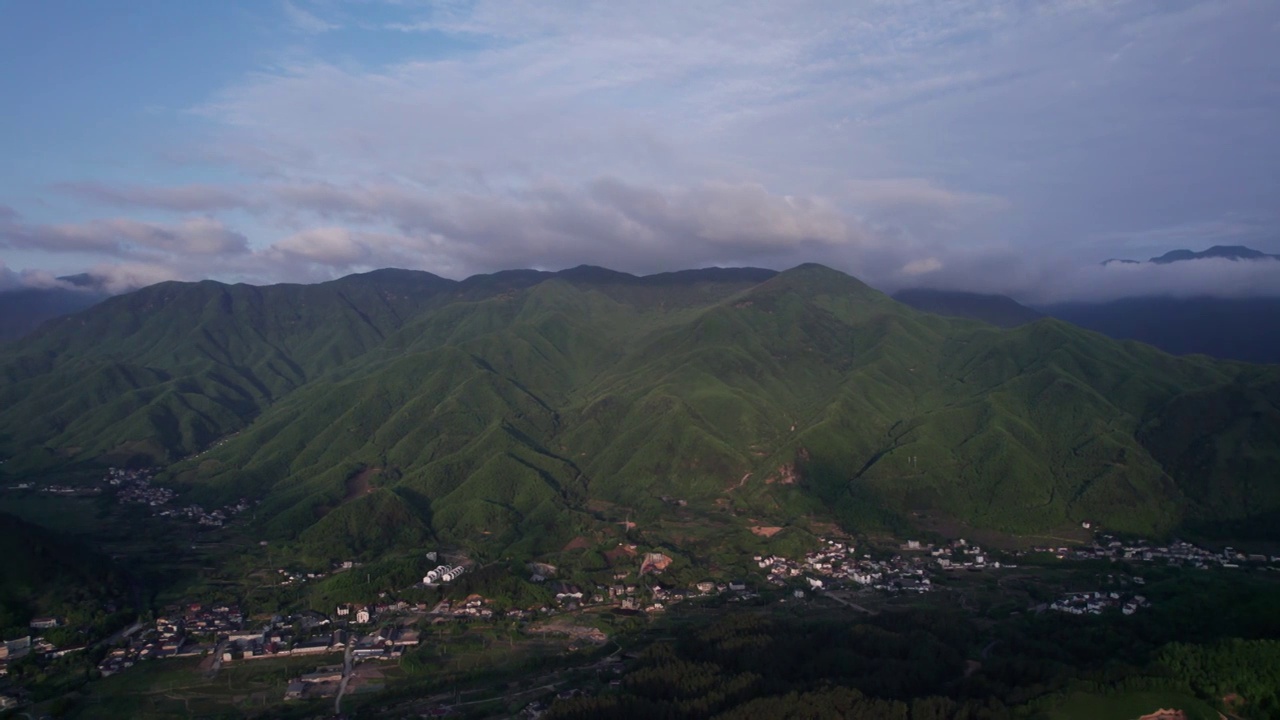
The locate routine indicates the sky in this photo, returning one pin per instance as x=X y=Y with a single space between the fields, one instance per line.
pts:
x=993 y=145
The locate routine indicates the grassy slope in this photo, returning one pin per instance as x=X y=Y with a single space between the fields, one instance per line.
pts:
x=498 y=408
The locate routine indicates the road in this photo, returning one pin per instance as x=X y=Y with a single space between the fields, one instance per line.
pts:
x=116 y=637
x=346 y=676
x=849 y=603
x=217 y=658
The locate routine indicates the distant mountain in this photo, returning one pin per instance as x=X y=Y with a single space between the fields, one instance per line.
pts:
x=1246 y=329
x=1225 y=252
x=999 y=310
x=519 y=410
x=24 y=309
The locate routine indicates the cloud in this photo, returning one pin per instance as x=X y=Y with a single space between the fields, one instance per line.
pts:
x=1210 y=276
x=117 y=278
x=181 y=198
x=333 y=246
x=305 y=20
x=985 y=145
x=605 y=221
x=920 y=193
x=11 y=280
x=124 y=237
x=922 y=266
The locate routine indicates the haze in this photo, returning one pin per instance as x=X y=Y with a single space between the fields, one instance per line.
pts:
x=999 y=147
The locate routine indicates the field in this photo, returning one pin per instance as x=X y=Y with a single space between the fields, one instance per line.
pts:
x=180 y=689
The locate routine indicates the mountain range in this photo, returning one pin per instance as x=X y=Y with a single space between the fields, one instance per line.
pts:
x=22 y=310
x=1220 y=252
x=1245 y=329
x=520 y=409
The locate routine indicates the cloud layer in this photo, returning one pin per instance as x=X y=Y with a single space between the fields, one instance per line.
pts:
x=995 y=146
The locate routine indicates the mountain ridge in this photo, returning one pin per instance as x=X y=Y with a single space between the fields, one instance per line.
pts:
x=512 y=410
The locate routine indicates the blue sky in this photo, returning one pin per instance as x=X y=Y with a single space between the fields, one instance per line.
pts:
x=997 y=145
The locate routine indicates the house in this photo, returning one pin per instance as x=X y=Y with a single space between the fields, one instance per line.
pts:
x=363 y=616
x=706 y=586
x=294 y=690
x=311 y=647
x=323 y=675
x=44 y=623
x=435 y=574
x=737 y=585
x=567 y=592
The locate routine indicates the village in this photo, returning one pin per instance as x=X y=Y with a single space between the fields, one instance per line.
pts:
x=381 y=631
x=1096 y=602
x=1176 y=553
x=135 y=487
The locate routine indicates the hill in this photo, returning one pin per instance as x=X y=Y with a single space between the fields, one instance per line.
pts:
x=23 y=310
x=999 y=310
x=1246 y=329
x=520 y=409
x=47 y=574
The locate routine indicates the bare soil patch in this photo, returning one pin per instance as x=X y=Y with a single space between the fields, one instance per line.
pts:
x=361 y=484
x=620 y=554
x=1163 y=714
x=765 y=530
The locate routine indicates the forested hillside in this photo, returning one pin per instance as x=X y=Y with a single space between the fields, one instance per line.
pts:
x=523 y=408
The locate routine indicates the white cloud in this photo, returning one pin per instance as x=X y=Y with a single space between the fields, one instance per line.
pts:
x=126 y=276
x=1210 y=276
x=986 y=145
x=304 y=20
x=125 y=237
x=922 y=266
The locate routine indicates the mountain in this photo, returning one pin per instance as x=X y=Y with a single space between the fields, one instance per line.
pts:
x=1225 y=252
x=23 y=310
x=520 y=409
x=999 y=310
x=1246 y=329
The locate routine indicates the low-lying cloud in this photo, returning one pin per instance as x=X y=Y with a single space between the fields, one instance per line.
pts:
x=126 y=238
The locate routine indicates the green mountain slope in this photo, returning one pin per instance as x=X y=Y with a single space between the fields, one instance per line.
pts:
x=524 y=408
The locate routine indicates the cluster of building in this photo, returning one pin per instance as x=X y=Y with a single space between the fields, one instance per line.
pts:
x=291 y=577
x=960 y=555
x=187 y=632
x=1096 y=602
x=443 y=574
x=201 y=630
x=1176 y=553
x=836 y=565
x=473 y=606
x=63 y=490
x=134 y=486
x=18 y=648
